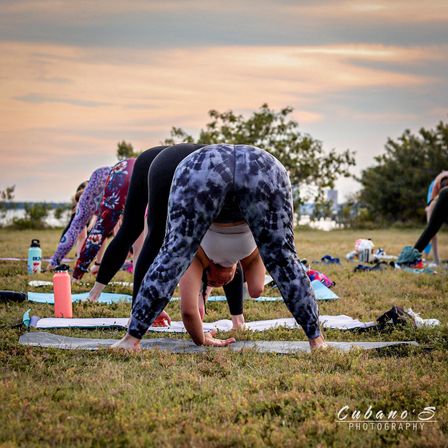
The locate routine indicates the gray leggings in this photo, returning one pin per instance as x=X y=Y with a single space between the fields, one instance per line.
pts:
x=263 y=191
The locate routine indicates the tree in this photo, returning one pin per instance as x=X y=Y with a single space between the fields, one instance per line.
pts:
x=6 y=196
x=302 y=155
x=125 y=150
x=35 y=214
x=396 y=188
x=61 y=210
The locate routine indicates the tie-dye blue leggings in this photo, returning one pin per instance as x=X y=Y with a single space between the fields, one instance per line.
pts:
x=200 y=185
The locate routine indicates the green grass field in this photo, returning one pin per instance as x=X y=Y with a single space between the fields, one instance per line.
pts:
x=220 y=399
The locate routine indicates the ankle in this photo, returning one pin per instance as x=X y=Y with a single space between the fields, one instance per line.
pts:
x=238 y=321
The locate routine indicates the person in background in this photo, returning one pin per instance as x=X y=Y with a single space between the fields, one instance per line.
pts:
x=149 y=190
x=437 y=214
x=87 y=207
x=75 y=199
x=110 y=210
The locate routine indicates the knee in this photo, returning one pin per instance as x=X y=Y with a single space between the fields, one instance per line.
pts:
x=255 y=290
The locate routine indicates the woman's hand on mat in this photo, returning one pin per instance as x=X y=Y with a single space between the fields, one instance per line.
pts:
x=162 y=320
x=210 y=340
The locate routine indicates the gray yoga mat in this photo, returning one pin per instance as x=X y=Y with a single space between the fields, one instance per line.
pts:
x=41 y=339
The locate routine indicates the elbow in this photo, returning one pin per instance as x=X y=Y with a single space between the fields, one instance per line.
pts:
x=188 y=314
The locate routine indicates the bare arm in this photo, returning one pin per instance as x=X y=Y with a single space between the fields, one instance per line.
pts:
x=190 y=285
x=254 y=272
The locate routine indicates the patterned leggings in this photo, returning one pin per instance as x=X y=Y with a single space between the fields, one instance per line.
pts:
x=111 y=208
x=263 y=191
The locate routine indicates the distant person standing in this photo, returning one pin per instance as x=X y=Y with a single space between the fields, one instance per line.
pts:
x=437 y=214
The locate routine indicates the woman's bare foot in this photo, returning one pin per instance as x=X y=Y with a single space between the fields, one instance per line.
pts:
x=96 y=291
x=318 y=343
x=128 y=342
x=238 y=322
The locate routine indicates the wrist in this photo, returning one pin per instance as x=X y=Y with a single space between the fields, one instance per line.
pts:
x=199 y=340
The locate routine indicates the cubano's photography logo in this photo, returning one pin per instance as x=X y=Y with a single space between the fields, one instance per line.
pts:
x=380 y=420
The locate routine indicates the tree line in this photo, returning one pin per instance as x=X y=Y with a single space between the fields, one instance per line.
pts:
x=393 y=190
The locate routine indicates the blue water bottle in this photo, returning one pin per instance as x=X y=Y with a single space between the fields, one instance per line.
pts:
x=34 y=257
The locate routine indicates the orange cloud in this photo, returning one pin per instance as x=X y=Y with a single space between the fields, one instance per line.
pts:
x=397 y=11
x=60 y=101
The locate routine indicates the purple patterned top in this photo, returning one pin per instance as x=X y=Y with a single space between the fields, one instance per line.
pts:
x=87 y=207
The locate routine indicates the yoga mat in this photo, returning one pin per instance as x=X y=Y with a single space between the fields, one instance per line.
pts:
x=41 y=339
x=321 y=292
x=12 y=296
x=65 y=260
x=340 y=322
x=105 y=297
x=39 y=283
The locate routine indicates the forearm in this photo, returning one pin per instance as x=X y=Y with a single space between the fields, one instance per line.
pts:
x=91 y=247
x=189 y=286
x=80 y=241
x=68 y=240
x=84 y=211
x=193 y=325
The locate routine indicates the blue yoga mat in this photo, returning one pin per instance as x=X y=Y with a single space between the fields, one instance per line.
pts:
x=321 y=292
x=106 y=297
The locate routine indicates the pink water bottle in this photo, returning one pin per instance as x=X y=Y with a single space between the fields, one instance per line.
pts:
x=62 y=292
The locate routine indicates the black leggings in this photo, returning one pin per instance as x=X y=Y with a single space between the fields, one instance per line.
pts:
x=150 y=185
x=159 y=177
x=439 y=215
x=133 y=217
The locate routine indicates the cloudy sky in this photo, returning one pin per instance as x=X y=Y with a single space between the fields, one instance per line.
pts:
x=77 y=77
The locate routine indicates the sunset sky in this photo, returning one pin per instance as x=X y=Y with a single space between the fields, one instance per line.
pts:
x=76 y=77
